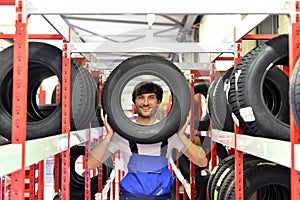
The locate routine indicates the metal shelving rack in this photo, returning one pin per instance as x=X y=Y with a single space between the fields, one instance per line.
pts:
x=22 y=151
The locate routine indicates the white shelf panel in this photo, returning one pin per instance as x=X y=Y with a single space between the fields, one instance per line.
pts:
x=182 y=66
x=273 y=150
x=52 y=145
x=297 y=156
x=42 y=148
x=10 y=158
x=37 y=150
x=150 y=47
x=156 y=7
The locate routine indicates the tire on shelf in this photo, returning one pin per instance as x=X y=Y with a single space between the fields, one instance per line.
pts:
x=221 y=116
x=34 y=82
x=184 y=165
x=184 y=162
x=96 y=120
x=221 y=189
x=211 y=183
x=44 y=60
x=77 y=181
x=260 y=176
x=209 y=106
x=222 y=170
x=258 y=91
x=204 y=122
x=146 y=65
x=294 y=93
x=84 y=100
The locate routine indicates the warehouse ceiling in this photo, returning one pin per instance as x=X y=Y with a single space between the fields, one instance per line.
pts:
x=133 y=28
x=118 y=28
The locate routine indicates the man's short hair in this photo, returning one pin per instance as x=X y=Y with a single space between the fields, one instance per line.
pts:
x=147 y=87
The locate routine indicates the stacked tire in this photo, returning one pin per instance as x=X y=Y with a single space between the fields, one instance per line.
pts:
x=77 y=181
x=255 y=94
x=258 y=92
x=44 y=61
x=263 y=179
x=294 y=93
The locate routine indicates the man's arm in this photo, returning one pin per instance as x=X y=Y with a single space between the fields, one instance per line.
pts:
x=194 y=152
x=100 y=153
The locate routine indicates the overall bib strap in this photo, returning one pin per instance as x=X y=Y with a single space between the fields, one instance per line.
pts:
x=133 y=147
x=164 y=148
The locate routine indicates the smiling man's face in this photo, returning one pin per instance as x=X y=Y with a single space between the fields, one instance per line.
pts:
x=146 y=105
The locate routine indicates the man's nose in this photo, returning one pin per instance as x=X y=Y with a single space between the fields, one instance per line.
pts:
x=146 y=101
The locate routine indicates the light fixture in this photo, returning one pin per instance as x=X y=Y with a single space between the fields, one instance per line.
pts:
x=150 y=19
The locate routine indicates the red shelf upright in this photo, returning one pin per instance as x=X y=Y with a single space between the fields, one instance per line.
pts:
x=239 y=168
x=294 y=53
x=19 y=103
x=192 y=130
x=57 y=162
x=239 y=156
x=66 y=92
x=87 y=174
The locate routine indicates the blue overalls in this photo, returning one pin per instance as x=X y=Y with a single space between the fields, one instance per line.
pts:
x=148 y=177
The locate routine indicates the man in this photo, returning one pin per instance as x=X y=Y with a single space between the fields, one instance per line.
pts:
x=148 y=176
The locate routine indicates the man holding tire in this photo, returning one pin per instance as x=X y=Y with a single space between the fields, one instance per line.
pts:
x=148 y=175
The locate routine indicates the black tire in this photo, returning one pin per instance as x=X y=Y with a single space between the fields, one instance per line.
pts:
x=201 y=186
x=84 y=99
x=253 y=85
x=295 y=93
x=162 y=69
x=47 y=109
x=77 y=181
x=44 y=60
x=34 y=82
x=211 y=183
x=3 y=140
x=221 y=118
x=204 y=122
x=261 y=176
x=221 y=189
x=221 y=151
x=40 y=55
x=221 y=173
x=96 y=120
x=209 y=104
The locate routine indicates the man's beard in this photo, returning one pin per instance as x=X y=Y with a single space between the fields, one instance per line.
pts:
x=151 y=114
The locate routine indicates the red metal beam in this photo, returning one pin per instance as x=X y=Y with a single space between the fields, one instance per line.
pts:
x=224 y=58
x=33 y=36
x=7 y=2
x=259 y=36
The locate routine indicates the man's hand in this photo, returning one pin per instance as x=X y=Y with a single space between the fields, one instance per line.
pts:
x=109 y=130
x=100 y=153
x=182 y=130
